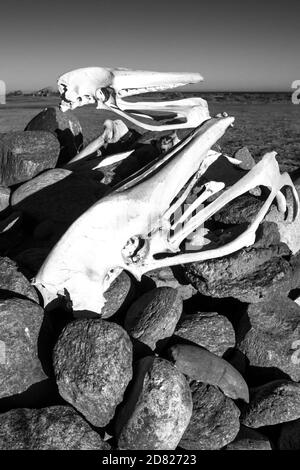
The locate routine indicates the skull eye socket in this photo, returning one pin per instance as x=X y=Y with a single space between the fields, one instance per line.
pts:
x=103 y=94
x=135 y=249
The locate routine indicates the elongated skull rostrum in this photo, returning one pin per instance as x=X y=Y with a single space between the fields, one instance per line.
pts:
x=135 y=227
x=108 y=87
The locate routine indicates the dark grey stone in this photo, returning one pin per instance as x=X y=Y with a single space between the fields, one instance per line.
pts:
x=250 y=274
x=241 y=210
x=209 y=330
x=20 y=324
x=199 y=364
x=64 y=125
x=154 y=315
x=273 y=403
x=93 y=366
x=247 y=161
x=214 y=422
x=248 y=439
x=116 y=295
x=13 y=281
x=53 y=428
x=23 y=155
x=164 y=277
x=269 y=335
x=159 y=408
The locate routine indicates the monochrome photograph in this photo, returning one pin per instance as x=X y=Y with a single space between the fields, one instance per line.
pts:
x=149 y=229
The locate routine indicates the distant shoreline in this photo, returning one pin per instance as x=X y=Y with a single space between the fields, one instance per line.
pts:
x=232 y=97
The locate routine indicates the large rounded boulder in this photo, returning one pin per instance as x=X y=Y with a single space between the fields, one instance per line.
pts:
x=158 y=407
x=64 y=125
x=20 y=325
x=93 y=366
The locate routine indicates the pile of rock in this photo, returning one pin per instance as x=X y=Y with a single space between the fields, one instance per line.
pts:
x=205 y=356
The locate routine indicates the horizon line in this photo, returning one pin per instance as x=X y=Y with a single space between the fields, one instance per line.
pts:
x=172 y=91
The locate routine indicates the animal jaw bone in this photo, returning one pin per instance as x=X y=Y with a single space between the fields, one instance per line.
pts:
x=130 y=227
x=107 y=87
x=112 y=133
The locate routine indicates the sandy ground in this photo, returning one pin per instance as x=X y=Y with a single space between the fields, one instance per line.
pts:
x=260 y=127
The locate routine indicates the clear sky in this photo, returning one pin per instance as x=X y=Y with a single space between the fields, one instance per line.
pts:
x=235 y=45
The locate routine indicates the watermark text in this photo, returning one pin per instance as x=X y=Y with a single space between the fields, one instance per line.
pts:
x=296 y=93
x=2 y=92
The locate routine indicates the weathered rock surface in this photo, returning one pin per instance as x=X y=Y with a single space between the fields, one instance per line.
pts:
x=53 y=428
x=4 y=197
x=58 y=195
x=25 y=154
x=245 y=208
x=20 y=324
x=201 y=365
x=273 y=339
x=248 y=439
x=272 y=403
x=239 y=211
x=154 y=315
x=289 y=438
x=251 y=274
x=211 y=331
x=65 y=126
x=93 y=366
x=164 y=277
x=214 y=422
x=13 y=281
x=158 y=410
x=247 y=161
x=48 y=178
x=116 y=295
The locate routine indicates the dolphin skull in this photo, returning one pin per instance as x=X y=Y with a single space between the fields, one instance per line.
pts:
x=108 y=87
